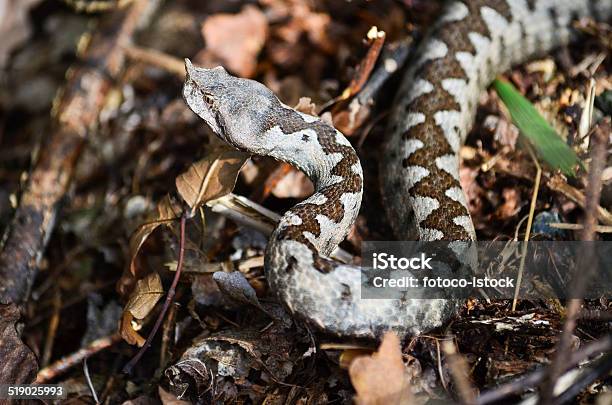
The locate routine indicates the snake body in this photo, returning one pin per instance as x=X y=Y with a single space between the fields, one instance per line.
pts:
x=472 y=41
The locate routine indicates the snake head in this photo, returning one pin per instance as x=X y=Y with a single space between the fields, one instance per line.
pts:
x=234 y=108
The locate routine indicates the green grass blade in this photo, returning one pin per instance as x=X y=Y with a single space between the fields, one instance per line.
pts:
x=549 y=145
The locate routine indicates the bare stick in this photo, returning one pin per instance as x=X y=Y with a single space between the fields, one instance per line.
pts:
x=591 y=374
x=169 y=298
x=534 y=199
x=61 y=366
x=52 y=330
x=528 y=381
x=157 y=58
x=586 y=263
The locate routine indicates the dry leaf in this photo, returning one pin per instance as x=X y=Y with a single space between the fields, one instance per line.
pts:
x=294 y=184
x=127 y=332
x=210 y=178
x=235 y=286
x=349 y=355
x=381 y=378
x=146 y=294
x=235 y=40
x=511 y=205
x=304 y=20
x=18 y=364
x=306 y=106
x=144 y=297
x=167 y=212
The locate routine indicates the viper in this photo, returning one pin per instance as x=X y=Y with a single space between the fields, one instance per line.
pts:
x=471 y=42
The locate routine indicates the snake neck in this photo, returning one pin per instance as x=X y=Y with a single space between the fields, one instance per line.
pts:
x=322 y=221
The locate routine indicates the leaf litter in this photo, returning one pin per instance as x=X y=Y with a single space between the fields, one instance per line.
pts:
x=229 y=340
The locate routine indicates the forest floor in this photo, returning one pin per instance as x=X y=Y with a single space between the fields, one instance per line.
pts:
x=98 y=152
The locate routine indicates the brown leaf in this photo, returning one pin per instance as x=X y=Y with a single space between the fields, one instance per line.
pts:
x=167 y=212
x=235 y=40
x=144 y=297
x=304 y=20
x=349 y=355
x=350 y=119
x=210 y=178
x=306 y=106
x=127 y=332
x=511 y=205
x=18 y=365
x=294 y=184
x=381 y=378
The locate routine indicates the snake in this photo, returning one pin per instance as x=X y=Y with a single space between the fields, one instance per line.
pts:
x=470 y=42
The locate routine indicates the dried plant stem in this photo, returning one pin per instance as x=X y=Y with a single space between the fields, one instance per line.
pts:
x=584 y=269
x=167 y=335
x=169 y=298
x=52 y=329
x=157 y=58
x=534 y=199
x=579 y=227
x=61 y=366
x=528 y=381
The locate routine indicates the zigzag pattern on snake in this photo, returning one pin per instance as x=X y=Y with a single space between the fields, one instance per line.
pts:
x=472 y=41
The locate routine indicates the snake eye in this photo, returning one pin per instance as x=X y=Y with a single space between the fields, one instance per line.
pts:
x=208 y=99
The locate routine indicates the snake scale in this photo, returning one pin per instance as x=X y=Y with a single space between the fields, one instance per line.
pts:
x=470 y=43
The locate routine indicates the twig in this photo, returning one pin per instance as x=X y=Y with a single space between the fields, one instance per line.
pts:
x=349 y=118
x=89 y=383
x=439 y=361
x=591 y=374
x=167 y=335
x=586 y=265
x=530 y=380
x=558 y=184
x=52 y=330
x=61 y=366
x=579 y=227
x=248 y=213
x=179 y=267
x=534 y=199
x=157 y=58
x=459 y=372
x=345 y=346
x=376 y=39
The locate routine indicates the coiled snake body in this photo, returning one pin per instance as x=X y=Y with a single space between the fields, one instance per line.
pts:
x=471 y=42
